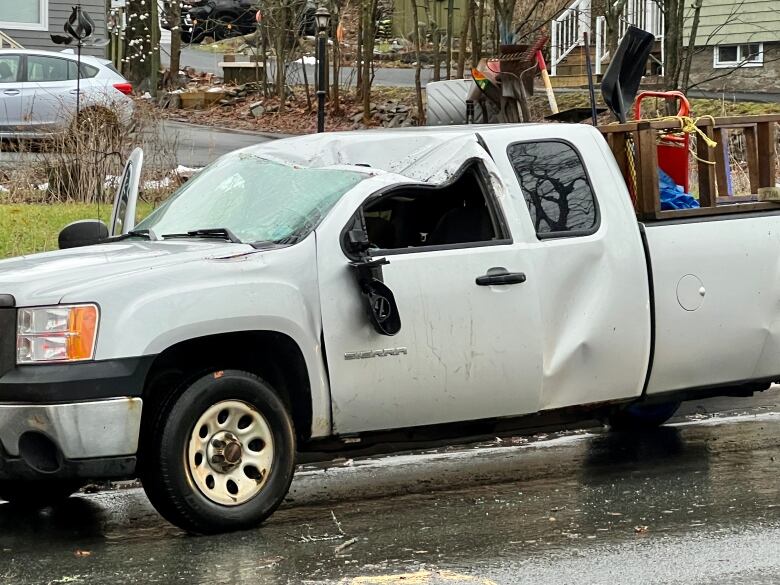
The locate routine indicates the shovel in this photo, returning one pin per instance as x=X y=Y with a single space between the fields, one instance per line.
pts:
x=621 y=79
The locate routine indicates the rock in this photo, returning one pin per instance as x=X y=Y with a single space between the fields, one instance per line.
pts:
x=357 y=117
x=396 y=121
x=257 y=109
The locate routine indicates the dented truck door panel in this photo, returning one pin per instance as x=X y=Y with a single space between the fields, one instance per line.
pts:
x=576 y=216
x=466 y=350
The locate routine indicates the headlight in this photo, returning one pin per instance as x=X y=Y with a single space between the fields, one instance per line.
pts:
x=56 y=334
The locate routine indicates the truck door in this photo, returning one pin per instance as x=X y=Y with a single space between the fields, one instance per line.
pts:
x=575 y=214
x=469 y=346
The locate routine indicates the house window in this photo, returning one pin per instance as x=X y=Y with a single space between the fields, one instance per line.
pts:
x=747 y=55
x=27 y=15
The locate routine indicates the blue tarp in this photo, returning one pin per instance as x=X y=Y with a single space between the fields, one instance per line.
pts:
x=672 y=194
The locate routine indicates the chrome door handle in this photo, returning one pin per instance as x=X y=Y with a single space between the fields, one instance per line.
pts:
x=12 y=92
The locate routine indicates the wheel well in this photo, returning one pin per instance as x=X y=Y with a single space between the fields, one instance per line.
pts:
x=233 y=16
x=273 y=356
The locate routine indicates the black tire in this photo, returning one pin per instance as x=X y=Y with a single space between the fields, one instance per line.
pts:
x=38 y=494
x=97 y=121
x=642 y=416
x=225 y=26
x=193 y=37
x=166 y=474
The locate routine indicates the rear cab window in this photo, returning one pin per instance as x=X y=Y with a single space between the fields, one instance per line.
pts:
x=556 y=188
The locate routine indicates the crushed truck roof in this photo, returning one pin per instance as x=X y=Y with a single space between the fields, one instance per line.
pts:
x=424 y=153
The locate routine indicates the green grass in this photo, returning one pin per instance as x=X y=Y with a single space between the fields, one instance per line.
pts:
x=28 y=228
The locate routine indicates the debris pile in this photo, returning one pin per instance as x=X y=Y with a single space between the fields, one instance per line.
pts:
x=245 y=106
x=389 y=114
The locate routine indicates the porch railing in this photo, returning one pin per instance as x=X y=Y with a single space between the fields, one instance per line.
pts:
x=567 y=31
x=7 y=42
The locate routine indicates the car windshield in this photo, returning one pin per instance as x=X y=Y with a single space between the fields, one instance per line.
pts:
x=255 y=199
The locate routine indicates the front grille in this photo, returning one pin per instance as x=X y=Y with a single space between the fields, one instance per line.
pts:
x=7 y=340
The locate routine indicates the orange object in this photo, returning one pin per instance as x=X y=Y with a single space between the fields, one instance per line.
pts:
x=82 y=326
x=673 y=148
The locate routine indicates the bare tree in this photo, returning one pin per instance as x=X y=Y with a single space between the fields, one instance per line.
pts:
x=335 y=11
x=142 y=45
x=504 y=13
x=173 y=17
x=477 y=29
x=689 y=54
x=282 y=22
x=368 y=12
x=468 y=19
x=613 y=11
x=418 y=65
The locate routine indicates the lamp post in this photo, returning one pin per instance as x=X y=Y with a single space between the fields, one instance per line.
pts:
x=322 y=16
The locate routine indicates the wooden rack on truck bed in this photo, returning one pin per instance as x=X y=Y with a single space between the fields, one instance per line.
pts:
x=713 y=164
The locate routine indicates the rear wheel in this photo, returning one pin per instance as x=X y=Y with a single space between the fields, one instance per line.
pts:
x=37 y=494
x=221 y=454
x=225 y=27
x=97 y=122
x=642 y=416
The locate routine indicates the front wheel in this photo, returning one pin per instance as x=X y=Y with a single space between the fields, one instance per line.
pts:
x=642 y=416
x=37 y=494
x=221 y=455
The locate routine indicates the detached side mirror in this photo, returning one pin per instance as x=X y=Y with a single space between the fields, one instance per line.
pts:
x=379 y=299
x=83 y=233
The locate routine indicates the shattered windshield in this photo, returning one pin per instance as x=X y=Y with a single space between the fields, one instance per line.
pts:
x=256 y=199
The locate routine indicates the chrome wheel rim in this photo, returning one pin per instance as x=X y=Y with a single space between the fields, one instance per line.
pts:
x=230 y=453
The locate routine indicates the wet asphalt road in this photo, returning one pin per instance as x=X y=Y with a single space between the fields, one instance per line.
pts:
x=695 y=502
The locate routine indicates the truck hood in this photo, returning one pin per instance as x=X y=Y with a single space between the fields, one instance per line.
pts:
x=44 y=279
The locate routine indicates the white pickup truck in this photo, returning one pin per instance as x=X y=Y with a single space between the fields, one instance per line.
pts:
x=333 y=290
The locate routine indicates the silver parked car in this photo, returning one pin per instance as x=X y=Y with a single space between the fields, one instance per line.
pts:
x=38 y=91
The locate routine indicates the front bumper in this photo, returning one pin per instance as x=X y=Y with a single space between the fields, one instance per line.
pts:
x=79 y=439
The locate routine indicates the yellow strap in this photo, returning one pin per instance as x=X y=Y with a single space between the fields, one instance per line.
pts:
x=632 y=167
x=688 y=125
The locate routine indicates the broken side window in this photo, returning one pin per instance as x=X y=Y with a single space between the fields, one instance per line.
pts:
x=415 y=216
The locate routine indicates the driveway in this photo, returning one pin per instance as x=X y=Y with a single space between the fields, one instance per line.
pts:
x=694 y=502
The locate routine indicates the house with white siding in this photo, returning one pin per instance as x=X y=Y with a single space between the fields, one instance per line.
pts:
x=736 y=48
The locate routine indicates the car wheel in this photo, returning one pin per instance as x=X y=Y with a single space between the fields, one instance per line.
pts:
x=220 y=454
x=37 y=494
x=97 y=120
x=642 y=416
x=194 y=36
x=225 y=27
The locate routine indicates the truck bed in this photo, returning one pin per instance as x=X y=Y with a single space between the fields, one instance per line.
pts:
x=634 y=146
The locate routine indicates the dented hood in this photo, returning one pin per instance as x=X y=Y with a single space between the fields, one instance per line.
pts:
x=44 y=279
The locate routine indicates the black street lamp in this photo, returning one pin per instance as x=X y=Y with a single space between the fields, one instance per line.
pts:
x=322 y=16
